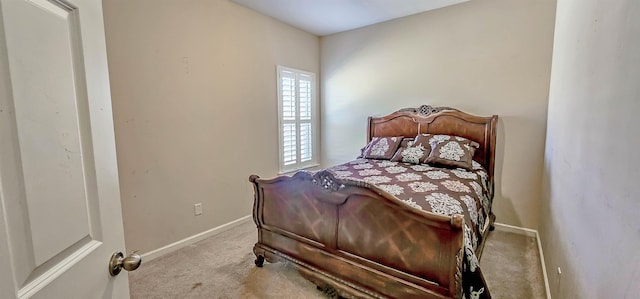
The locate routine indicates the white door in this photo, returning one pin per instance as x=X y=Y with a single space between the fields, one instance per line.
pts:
x=60 y=217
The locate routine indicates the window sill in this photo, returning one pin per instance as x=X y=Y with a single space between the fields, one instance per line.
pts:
x=292 y=171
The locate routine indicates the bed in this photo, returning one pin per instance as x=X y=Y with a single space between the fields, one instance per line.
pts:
x=356 y=230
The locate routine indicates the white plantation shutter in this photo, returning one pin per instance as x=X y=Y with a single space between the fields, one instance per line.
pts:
x=288 y=118
x=306 y=154
x=288 y=86
x=297 y=123
x=289 y=148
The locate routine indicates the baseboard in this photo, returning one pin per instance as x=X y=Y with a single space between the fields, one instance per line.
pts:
x=151 y=255
x=544 y=268
x=530 y=233
x=515 y=229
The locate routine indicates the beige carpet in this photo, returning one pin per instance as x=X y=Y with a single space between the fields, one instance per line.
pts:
x=511 y=265
x=222 y=267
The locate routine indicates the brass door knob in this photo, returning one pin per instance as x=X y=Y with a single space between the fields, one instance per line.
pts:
x=119 y=262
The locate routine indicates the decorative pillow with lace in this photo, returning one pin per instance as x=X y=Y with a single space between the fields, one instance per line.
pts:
x=410 y=152
x=382 y=148
x=452 y=151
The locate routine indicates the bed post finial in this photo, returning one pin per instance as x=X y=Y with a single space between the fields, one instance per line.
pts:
x=457 y=221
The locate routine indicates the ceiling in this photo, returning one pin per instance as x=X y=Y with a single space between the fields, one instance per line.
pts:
x=325 y=17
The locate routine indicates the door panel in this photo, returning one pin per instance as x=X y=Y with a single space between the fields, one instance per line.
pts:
x=58 y=177
x=51 y=131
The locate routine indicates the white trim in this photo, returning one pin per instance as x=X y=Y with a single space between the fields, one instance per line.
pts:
x=531 y=233
x=151 y=255
x=544 y=268
x=515 y=229
x=295 y=170
x=315 y=125
x=58 y=269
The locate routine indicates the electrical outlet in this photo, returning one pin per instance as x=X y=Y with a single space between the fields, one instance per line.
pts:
x=198 y=208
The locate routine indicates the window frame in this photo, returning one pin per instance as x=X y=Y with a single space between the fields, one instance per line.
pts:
x=298 y=165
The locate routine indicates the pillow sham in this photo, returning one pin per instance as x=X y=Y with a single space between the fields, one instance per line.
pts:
x=408 y=152
x=382 y=148
x=453 y=151
x=361 y=155
x=406 y=142
x=423 y=139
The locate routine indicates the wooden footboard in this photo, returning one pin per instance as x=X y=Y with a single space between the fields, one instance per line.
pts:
x=357 y=238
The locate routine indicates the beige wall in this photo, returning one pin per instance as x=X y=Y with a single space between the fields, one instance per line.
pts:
x=194 y=98
x=484 y=57
x=590 y=224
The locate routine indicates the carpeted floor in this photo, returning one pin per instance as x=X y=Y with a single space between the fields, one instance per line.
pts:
x=511 y=265
x=222 y=267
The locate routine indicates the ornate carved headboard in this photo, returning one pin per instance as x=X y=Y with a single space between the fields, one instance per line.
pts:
x=441 y=120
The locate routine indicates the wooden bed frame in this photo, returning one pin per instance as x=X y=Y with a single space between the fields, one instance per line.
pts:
x=313 y=220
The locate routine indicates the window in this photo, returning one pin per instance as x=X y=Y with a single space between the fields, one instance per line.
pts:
x=296 y=119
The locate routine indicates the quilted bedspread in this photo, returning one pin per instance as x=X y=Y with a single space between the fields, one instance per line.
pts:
x=442 y=191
